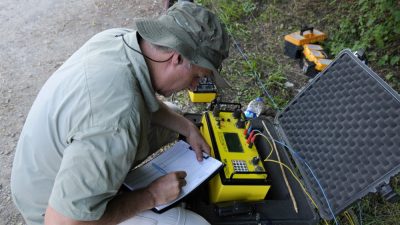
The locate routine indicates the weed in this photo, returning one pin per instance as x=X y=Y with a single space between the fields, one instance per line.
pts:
x=373 y=25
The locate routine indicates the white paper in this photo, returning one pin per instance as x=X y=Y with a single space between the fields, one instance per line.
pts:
x=178 y=158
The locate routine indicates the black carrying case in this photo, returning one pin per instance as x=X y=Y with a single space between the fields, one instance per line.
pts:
x=342 y=131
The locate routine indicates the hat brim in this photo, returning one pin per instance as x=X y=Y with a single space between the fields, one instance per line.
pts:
x=220 y=81
x=158 y=33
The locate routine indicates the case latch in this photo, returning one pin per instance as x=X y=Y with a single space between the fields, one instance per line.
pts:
x=388 y=193
x=232 y=208
x=361 y=55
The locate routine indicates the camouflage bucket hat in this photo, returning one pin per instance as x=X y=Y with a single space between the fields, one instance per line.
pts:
x=194 y=32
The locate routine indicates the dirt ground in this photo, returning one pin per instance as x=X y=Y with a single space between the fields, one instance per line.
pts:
x=37 y=37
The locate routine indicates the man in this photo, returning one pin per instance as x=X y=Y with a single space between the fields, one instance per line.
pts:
x=97 y=116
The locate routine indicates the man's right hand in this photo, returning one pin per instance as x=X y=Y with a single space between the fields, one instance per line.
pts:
x=167 y=188
x=163 y=190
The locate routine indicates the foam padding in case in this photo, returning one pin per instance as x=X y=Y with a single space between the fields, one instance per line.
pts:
x=346 y=126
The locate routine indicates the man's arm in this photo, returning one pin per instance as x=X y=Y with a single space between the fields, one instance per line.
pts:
x=128 y=204
x=168 y=118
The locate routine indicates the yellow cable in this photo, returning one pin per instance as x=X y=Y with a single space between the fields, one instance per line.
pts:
x=298 y=181
x=283 y=171
x=290 y=170
x=295 y=177
x=269 y=142
x=348 y=217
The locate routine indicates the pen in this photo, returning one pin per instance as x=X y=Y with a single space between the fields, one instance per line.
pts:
x=159 y=168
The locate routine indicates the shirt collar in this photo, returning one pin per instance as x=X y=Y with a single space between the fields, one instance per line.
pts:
x=141 y=71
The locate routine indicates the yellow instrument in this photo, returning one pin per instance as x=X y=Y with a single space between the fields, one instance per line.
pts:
x=206 y=91
x=305 y=36
x=298 y=45
x=244 y=176
x=316 y=57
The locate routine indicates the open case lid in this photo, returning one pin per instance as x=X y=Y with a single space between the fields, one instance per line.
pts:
x=345 y=124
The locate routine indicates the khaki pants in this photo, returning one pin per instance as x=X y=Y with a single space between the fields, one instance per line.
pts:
x=174 y=216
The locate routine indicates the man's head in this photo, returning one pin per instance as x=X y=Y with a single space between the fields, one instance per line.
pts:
x=194 y=32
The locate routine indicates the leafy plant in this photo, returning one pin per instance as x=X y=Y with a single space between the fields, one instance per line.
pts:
x=372 y=25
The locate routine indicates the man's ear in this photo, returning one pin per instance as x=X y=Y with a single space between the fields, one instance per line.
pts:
x=180 y=59
x=177 y=58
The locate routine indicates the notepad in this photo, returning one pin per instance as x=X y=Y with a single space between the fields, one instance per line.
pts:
x=180 y=157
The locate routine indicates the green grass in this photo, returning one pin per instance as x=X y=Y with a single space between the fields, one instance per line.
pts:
x=375 y=27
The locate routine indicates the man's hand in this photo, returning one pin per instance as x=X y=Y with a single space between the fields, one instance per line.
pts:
x=176 y=122
x=167 y=188
x=161 y=191
x=196 y=140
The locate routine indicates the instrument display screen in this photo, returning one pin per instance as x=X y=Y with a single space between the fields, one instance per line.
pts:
x=233 y=142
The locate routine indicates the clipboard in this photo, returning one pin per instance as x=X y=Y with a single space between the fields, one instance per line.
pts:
x=180 y=157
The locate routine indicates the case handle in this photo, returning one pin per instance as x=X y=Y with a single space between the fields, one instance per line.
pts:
x=216 y=103
x=249 y=172
x=306 y=28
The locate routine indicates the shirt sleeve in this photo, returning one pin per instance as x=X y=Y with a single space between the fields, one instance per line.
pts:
x=92 y=170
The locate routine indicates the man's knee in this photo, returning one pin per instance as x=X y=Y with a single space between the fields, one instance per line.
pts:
x=174 y=216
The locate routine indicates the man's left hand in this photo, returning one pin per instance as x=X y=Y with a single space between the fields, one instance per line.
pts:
x=196 y=140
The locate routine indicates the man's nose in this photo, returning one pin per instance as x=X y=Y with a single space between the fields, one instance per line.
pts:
x=193 y=86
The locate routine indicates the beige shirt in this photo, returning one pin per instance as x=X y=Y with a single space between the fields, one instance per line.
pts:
x=86 y=128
